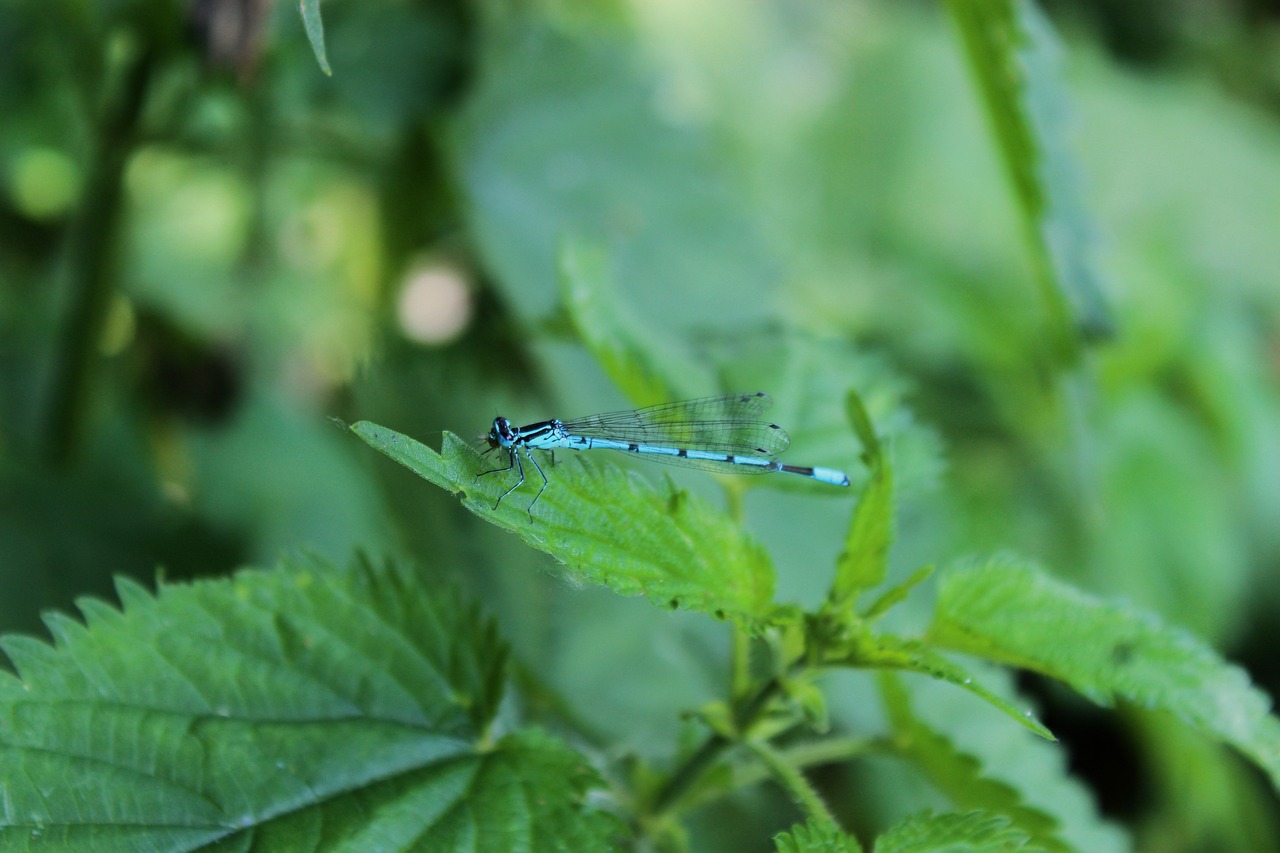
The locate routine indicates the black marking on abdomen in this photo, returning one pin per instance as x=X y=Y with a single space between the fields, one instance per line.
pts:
x=634 y=448
x=682 y=453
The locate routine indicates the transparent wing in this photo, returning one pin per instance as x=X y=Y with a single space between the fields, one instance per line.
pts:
x=743 y=406
x=726 y=423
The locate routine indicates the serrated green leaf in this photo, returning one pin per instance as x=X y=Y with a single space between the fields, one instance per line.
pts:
x=608 y=527
x=816 y=837
x=1017 y=615
x=306 y=708
x=865 y=559
x=958 y=775
x=314 y=26
x=635 y=357
x=956 y=832
x=1034 y=768
x=525 y=794
x=887 y=652
x=1015 y=59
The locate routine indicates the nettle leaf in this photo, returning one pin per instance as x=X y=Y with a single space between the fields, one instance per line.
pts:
x=865 y=559
x=816 y=837
x=958 y=775
x=965 y=734
x=978 y=832
x=526 y=793
x=305 y=708
x=608 y=526
x=1015 y=58
x=647 y=366
x=1017 y=615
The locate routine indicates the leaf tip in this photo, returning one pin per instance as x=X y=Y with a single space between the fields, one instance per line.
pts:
x=131 y=593
x=314 y=27
x=860 y=420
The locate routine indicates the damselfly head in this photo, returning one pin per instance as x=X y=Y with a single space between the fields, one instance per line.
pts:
x=502 y=435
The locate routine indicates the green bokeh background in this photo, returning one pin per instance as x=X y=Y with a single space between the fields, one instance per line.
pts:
x=204 y=243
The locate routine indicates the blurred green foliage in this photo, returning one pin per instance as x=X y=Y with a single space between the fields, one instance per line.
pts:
x=206 y=246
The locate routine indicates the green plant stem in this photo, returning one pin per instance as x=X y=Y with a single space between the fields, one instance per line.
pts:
x=740 y=675
x=790 y=777
x=90 y=250
x=733 y=496
x=814 y=754
x=693 y=769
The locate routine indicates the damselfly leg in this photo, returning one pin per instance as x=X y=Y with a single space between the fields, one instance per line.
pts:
x=513 y=456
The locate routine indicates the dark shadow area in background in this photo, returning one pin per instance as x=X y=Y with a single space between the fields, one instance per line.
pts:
x=1099 y=750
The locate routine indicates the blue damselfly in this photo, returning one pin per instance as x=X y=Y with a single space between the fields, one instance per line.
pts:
x=720 y=433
